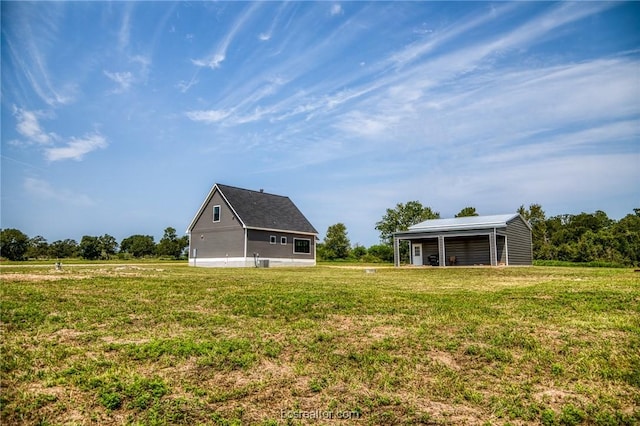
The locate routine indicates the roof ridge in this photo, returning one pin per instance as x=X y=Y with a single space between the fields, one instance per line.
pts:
x=250 y=190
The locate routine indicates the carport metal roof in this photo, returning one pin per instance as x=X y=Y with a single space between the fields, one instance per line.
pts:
x=461 y=223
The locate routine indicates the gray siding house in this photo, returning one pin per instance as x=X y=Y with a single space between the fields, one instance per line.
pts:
x=464 y=241
x=239 y=227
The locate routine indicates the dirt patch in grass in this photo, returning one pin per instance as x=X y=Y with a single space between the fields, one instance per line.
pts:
x=453 y=414
x=114 y=340
x=75 y=273
x=444 y=358
x=39 y=277
x=555 y=398
x=386 y=331
x=66 y=335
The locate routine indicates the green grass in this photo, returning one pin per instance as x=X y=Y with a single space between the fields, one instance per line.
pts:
x=169 y=344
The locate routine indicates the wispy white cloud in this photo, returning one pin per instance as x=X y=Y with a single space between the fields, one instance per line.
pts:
x=208 y=116
x=215 y=59
x=366 y=125
x=184 y=86
x=437 y=38
x=212 y=61
x=126 y=79
x=46 y=191
x=77 y=148
x=28 y=125
x=459 y=95
x=55 y=147
x=564 y=143
x=122 y=79
x=452 y=96
x=266 y=35
x=33 y=29
x=143 y=63
x=336 y=9
x=124 y=32
x=563 y=182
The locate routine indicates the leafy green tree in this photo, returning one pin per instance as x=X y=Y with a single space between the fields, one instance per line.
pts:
x=467 y=212
x=138 y=245
x=322 y=253
x=171 y=245
x=38 y=247
x=108 y=246
x=13 y=244
x=383 y=252
x=626 y=234
x=536 y=218
x=90 y=247
x=402 y=217
x=63 y=249
x=358 y=252
x=336 y=242
x=585 y=237
x=534 y=214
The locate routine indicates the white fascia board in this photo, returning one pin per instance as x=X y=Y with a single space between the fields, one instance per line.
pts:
x=407 y=236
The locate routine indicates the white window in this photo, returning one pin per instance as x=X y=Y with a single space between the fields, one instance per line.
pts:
x=216 y=213
x=272 y=239
x=283 y=241
x=301 y=246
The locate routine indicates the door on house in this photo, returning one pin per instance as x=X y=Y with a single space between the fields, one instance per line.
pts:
x=416 y=253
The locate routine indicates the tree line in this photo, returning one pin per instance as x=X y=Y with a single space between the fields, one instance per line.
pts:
x=584 y=238
x=15 y=245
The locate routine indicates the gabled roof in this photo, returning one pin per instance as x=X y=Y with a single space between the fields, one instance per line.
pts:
x=464 y=223
x=261 y=210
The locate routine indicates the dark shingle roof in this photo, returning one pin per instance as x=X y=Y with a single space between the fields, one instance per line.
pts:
x=258 y=209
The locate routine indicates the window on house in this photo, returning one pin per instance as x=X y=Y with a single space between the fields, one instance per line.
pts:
x=216 y=213
x=301 y=246
x=283 y=241
x=272 y=239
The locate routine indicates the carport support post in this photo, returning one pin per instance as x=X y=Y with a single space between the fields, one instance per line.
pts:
x=441 y=251
x=493 y=248
x=396 y=251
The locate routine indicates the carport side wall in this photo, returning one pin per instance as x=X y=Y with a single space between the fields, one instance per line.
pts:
x=519 y=242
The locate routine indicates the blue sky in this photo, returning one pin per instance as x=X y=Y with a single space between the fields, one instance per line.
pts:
x=119 y=117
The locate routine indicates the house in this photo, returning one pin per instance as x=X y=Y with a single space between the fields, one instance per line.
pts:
x=240 y=227
x=477 y=240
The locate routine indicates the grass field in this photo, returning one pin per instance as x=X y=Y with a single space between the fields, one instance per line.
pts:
x=169 y=344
